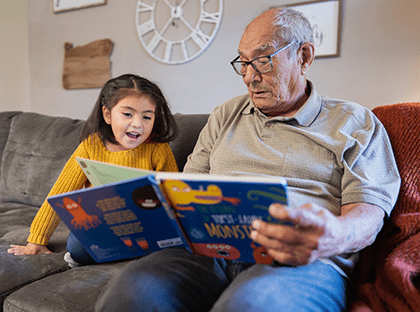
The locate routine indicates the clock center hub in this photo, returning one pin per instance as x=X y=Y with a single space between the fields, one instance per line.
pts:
x=176 y=12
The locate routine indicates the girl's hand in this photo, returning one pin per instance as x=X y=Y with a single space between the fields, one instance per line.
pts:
x=29 y=249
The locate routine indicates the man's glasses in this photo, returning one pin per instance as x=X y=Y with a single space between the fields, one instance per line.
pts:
x=262 y=64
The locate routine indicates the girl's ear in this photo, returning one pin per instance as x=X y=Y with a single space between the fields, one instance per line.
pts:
x=107 y=115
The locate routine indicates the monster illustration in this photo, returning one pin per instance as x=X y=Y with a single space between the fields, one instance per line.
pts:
x=217 y=250
x=260 y=254
x=80 y=218
x=146 y=198
x=182 y=194
x=142 y=242
x=129 y=243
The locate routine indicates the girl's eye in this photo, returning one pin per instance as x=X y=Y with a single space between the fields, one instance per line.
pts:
x=127 y=114
x=147 y=117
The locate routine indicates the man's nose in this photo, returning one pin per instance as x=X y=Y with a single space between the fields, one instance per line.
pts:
x=251 y=75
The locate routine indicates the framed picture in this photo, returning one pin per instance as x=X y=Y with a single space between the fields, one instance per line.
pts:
x=325 y=18
x=67 y=5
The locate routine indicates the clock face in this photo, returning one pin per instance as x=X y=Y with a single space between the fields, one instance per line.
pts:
x=177 y=31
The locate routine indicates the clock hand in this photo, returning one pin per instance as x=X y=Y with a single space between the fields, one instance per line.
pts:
x=169 y=22
x=183 y=3
x=175 y=12
x=169 y=4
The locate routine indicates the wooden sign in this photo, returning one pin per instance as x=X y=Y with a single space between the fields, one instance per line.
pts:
x=66 y=5
x=87 y=66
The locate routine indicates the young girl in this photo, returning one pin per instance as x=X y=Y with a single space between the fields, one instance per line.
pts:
x=130 y=125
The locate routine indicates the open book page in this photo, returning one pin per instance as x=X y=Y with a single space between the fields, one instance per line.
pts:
x=119 y=220
x=100 y=173
x=211 y=215
x=216 y=212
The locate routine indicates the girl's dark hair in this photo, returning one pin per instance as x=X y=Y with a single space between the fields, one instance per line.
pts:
x=164 y=129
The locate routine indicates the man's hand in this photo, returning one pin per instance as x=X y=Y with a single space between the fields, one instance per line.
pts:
x=29 y=249
x=316 y=233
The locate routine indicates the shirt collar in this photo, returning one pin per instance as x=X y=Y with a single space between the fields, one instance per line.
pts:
x=305 y=115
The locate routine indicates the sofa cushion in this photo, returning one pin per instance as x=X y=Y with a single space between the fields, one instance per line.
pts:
x=18 y=271
x=73 y=290
x=36 y=150
x=5 y=121
x=189 y=128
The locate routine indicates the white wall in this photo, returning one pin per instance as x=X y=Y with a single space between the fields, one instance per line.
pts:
x=14 y=56
x=379 y=62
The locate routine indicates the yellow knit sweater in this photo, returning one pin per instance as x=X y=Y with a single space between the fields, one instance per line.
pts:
x=149 y=156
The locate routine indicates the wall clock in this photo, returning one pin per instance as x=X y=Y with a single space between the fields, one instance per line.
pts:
x=177 y=31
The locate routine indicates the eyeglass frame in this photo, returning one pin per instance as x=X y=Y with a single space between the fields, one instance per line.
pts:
x=251 y=61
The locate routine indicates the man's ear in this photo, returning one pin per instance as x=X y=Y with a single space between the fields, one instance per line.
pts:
x=307 y=54
x=106 y=113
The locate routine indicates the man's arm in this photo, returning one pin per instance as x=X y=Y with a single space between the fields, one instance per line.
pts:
x=317 y=233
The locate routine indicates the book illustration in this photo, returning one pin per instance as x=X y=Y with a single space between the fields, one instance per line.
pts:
x=129 y=243
x=217 y=250
x=146 y=198
x=118 y=221
x=181 y=193
x=260 y=254
x=217 y=217
x=142 y=242
x=80 y=218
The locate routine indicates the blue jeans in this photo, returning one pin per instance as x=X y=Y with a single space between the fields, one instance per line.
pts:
x=77 y=251
x=175 y=280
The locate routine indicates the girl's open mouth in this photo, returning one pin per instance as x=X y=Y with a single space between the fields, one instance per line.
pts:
x=133 y=135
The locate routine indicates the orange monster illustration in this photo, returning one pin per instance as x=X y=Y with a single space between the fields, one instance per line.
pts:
x=129 y=243
x=80 y=218
x=260 y=254
x=223 y=251
x=181 y=193
x=142 y=242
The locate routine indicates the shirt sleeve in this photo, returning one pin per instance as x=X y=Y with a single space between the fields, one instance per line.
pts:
x=71 y=178
x=370 y=171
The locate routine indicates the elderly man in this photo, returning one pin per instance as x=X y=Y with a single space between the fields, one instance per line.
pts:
x=342 y=177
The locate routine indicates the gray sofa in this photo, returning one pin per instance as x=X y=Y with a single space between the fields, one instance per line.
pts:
x=33 y=150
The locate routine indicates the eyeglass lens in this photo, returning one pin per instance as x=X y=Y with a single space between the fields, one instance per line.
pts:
x=261 y=65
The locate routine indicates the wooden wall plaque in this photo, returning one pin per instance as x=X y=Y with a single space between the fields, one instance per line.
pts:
x=87 y=66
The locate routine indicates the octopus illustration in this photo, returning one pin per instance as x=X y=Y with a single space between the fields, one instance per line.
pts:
x=182 y=194
x=80 y=218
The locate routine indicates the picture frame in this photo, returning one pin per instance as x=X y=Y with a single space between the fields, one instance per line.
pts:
x=325 y=19
x=67 y=5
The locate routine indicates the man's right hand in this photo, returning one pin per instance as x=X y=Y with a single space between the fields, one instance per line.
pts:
x=29 y=249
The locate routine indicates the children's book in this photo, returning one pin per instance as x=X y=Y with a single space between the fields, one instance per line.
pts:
x=130 y=213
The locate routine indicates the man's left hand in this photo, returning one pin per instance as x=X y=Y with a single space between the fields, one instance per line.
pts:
x=313 y=232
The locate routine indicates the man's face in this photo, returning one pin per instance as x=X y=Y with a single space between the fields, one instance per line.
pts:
x=275 y=92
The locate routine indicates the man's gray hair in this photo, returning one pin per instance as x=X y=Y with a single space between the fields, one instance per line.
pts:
x=292 y=26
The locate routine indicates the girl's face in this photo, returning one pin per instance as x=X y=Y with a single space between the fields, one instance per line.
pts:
x=131 y=120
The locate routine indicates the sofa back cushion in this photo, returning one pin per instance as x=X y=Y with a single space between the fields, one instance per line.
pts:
x=5 y=121
x=190 y=126
x=36 y=150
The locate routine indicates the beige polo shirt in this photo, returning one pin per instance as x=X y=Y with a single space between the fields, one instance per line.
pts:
x=331 y=153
